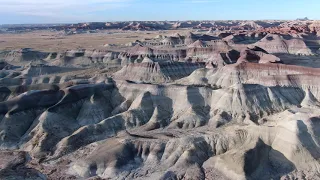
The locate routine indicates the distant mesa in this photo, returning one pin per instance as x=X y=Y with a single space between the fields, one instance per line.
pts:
x=303 y=19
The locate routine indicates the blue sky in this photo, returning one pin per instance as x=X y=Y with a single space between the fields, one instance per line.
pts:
x=65 y=11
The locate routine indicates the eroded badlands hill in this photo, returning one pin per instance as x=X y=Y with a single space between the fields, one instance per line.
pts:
x=241 y=105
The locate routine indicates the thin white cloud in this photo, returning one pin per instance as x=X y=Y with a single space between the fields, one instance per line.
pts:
x=73 y=10
x=79 y=10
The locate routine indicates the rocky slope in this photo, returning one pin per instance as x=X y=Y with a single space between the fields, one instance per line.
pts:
x=128 y=130
x=234 y=105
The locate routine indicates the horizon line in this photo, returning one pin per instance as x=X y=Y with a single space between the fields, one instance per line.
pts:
x=157 y=21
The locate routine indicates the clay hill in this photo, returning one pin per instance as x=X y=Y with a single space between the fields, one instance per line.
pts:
x=207 y=103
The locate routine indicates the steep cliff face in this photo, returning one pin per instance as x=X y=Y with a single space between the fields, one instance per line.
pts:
x=243 y=72
x=259 y=89
x=156 y=72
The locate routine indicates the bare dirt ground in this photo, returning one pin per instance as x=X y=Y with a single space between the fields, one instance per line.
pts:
x=57 y=41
